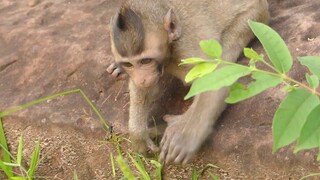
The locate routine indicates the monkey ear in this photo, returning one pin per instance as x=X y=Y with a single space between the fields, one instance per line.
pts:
x=171 y=25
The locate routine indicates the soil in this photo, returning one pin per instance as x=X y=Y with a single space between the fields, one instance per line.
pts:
x=51 y=46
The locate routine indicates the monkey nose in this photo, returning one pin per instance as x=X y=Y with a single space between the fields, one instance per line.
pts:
x=142 y=83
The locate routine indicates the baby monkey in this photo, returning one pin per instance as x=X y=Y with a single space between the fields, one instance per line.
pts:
x=148 y=40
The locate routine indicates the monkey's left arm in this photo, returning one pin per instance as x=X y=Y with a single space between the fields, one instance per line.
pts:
x=185 y=133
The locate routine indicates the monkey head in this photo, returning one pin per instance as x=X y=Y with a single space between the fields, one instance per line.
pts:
x=142 y=47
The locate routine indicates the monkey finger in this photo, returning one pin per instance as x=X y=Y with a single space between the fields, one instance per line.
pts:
x=151 y=145
x=172 y=155
x=169 y=119
x=187 y=158
x=111 y=68
x=163 y=140
x=162 y=156
x=116 y=72
x=180 y=157
x=164 y=151
x=122 y=76
x=171 y=148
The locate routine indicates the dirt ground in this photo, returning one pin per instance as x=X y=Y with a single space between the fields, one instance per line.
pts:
x=50 y=46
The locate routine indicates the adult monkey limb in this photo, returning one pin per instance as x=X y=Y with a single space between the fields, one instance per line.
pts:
x=150 y=37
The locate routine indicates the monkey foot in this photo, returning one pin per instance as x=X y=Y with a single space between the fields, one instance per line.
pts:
x=142 y=144
x=182 y=138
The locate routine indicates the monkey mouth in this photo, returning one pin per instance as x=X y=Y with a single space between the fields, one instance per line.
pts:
x=150 y=84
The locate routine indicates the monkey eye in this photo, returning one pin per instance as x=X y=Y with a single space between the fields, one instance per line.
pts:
x=146 y=61
x=126 y=64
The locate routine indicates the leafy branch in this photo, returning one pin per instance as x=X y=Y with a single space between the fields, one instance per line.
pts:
x=297 y=117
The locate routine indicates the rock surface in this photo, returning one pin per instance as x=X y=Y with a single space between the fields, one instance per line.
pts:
x=50 y=46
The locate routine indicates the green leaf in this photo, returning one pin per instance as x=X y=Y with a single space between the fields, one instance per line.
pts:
x=274 y=46
x=125 y=168
x=313 y=81
x=34 y=160
x=310 y=133
x=313 y=63
x=262 y=82
x=200 y=70
x=211 y=48
x=290 y=117
x=251 y=54
x=19 y=154
x=193 y=60
x=217 y=79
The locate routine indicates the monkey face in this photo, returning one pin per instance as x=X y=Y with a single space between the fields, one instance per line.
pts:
x=141 y=47
x=144 y=72
x=146 y=68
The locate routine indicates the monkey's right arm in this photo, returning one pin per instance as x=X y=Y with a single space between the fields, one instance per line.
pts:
x=140 y=104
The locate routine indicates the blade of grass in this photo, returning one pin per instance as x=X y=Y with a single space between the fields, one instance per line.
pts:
x=207 y=167
x=214 y=177
x=119 y=149
x=13 y=158
x=140 y=159
x=12 y=110
x=113 y=166
x=18 y=178
x=94 y=109
x=125 y=168
x=5 y=152
x=15 y=109
x=11 y=164
x=19 y=154
x=139 y=165
x=6 y=169
x=75 y=175
x=34 y=161
x=195 y=174
x=310 y=175
x=158 y=169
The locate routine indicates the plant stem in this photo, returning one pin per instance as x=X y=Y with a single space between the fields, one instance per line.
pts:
x=277 y=74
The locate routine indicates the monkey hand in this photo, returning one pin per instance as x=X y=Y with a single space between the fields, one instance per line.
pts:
x=116 y=71
x=182 y=138
x=142 y=142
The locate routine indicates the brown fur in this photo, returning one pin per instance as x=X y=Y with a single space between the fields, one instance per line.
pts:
x=127 y=27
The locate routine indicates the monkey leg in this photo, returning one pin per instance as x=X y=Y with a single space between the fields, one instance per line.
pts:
x=185 y=133
x=140 y=105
